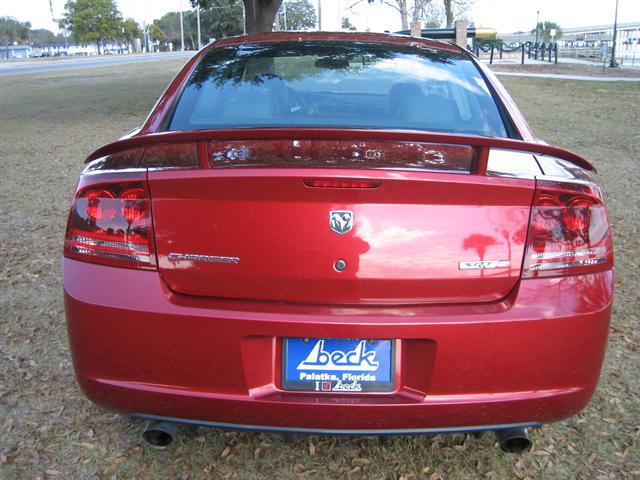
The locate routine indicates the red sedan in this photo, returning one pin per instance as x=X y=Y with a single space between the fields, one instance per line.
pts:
x=342 y=234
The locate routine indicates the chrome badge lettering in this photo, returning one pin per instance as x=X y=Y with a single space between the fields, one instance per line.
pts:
x=483 y=264
x=357 y=360
x=341 y=221
x=192 y=257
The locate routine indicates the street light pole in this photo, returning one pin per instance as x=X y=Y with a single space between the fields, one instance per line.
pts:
x=537 y=25
x=244 y=19
x=615 y=34
x=284 y=11
x=145 y=29
x=181 y=30
x=198 y=20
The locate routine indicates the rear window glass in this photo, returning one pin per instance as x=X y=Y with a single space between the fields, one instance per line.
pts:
x=339 y=85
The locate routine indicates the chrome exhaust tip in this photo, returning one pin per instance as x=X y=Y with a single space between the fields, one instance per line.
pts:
x=513 y=440
x=160 y=434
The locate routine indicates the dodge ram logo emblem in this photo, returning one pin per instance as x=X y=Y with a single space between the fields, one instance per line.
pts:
x=341 y=221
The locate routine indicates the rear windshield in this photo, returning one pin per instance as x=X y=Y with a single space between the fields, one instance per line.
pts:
x=337 y=85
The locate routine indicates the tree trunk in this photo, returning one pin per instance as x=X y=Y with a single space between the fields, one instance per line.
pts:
x=404 y=14
x=448 y=12
x=98 y=45
x=418 y=6
x=260 y=15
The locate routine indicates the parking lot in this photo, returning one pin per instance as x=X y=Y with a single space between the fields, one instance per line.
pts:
x=51 y=121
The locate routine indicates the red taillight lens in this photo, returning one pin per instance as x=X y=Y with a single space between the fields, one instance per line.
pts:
x=569 y=232
x=134 y=206
x=111 y=224
x=98 y=208
x=577 y=216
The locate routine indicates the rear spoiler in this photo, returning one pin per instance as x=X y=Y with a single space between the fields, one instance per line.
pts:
x=480 y=144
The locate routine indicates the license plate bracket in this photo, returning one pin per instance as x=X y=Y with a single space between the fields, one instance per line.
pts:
x=338 y=365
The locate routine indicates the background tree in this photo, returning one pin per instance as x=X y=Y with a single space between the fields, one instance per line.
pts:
x=13 y=31
x=41 y=37
x=63 y=25
x=93 y=21
x=429 y=12
x=130 y=31
x=219 y=20
x=259 y=14
x=433 y=15
x=297 y=15
x=347 y=25
x=222 y=20
x=169 y=23
x=455 y=10
x=61 y=40
x=544 y=30
x=155 y=33
x=408 y=9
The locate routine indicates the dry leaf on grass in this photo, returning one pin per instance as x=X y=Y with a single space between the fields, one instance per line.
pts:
x=225 y=452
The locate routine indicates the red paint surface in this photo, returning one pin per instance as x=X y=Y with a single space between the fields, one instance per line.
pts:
x=407 y=238
x=473 y=348
x=138 y=347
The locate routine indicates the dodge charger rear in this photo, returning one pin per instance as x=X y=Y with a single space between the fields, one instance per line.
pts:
x=338 y=233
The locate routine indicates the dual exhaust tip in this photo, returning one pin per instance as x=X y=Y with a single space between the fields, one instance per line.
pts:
x=161 y=434
x=513 y=440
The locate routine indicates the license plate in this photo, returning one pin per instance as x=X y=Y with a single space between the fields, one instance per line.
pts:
x=337 y=365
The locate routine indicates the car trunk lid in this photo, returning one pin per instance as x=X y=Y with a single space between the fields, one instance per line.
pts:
x=337 y=234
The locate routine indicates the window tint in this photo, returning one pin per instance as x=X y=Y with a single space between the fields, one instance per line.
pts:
x=337 y=84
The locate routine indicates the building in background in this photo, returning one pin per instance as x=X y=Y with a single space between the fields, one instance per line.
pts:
x=587 y=41
x=14 y=51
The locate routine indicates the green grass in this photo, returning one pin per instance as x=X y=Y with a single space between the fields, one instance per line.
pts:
x=563 y=68
x=49 y=123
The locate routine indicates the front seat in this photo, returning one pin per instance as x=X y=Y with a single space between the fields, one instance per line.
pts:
x=399 y=94
x=430 y=112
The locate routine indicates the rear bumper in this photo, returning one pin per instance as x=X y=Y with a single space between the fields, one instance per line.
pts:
x=338 y=431
x=141 y=349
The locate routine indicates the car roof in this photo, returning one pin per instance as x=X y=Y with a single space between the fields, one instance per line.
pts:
x=365 y=37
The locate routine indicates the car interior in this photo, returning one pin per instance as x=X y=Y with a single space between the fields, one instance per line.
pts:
x=328 y=93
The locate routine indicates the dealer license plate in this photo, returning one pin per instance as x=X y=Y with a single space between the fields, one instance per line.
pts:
x=337 y=365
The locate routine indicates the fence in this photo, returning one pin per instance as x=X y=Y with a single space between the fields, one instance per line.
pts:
x=539 y=51
x=549 y=52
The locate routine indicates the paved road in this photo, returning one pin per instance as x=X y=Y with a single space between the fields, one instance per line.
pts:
x=569 y=77
x=59 y=64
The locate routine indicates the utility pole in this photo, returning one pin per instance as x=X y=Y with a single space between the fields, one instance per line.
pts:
x=244 y=20
x=284 y=11
x=320 y=15
x=181 y=30
x=198 y=20
x=145 y=29
x=615 y=34
x=537 y=25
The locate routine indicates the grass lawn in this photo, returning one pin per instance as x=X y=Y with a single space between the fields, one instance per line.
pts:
x=565 y=69
x=49 y=123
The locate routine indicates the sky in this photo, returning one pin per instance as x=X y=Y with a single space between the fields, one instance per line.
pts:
x=503 y=15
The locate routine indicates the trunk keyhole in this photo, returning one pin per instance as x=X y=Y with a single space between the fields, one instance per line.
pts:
x=340 y=265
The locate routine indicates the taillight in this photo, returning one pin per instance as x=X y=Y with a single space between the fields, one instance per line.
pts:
x=342 y=183
x=111 y=224
x=568 y=233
